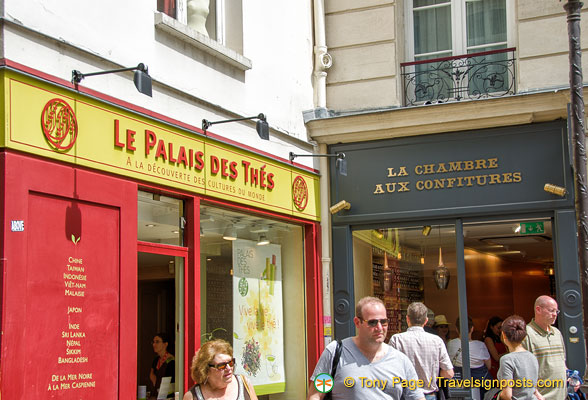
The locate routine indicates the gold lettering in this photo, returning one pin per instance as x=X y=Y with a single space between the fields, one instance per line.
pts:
x=494 y=178
x=441 y=168
x=379 y=189
x=403 y=187
x=439 y=183
x=393 y=187
x=468 y=165
x=493 y=163
x=430 y=169
x=402 y=172
x=481 y=179
x=481 y=164
x=419 y=185
x=391 y=174
x=450 y=182
x=469 y=179
x=507 y=177
x=454 y=166
x=518 y=177
x=418 y=169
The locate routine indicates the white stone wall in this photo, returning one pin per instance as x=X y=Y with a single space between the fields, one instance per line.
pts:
x=56 y=36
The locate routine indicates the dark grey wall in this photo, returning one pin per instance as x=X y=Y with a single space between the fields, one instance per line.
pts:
x=518 y=162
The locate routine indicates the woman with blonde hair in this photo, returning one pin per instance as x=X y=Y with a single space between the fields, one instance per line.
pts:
x=212 y=369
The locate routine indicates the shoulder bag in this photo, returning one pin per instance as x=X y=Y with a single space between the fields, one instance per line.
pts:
x=336 y=358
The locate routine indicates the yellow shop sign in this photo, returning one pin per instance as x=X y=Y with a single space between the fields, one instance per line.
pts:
x=46 y=120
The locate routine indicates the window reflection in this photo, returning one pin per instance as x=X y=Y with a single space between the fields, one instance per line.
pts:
x=159 y=219
x=403 y=265
x=252 y=294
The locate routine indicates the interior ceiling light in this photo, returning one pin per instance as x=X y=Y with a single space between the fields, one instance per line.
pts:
x=263 y=240
x=516 y=228
x=230 y=233
x=206 y=218
x=259 y=229
x=426 y=230
x=150 y=225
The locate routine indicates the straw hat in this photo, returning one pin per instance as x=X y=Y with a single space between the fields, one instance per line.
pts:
x=441 y=320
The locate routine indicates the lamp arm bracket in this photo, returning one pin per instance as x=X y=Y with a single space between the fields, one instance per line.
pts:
x=207 y=124
x=77 y=76
x=340 y=156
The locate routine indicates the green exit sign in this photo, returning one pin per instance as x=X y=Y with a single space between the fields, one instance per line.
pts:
x=531 y=228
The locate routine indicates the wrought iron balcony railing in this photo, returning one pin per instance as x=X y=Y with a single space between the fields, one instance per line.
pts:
x=468 y=77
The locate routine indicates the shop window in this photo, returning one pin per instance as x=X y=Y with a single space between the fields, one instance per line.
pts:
x=160 y=219
x=405 y=265
x=252 y=295
x=219 y=20
x=160 y=295
x=508 y=265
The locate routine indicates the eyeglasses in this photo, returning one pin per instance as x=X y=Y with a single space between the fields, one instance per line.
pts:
x=551 y=310
x=372 y=323
x=223 y=365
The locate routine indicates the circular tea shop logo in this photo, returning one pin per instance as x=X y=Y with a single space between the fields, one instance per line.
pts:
x=299 y=193
x=59 y=124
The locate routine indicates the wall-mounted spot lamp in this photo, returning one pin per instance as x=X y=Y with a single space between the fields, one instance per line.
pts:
x=141 y=79
x=341 y=162
x=426 y=230
x=342 y=205
x=554 y=189
x=261 y=126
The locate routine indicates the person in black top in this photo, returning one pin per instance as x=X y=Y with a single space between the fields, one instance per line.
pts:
x=163 y=365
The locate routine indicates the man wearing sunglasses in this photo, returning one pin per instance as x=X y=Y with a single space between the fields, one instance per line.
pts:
x=368 y=368
x=426 y=351
x=547 y=344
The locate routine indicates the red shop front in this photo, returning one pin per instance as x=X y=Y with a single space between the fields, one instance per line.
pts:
x=118 y=226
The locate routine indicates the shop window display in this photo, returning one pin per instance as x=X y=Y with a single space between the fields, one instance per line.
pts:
x=250 y=265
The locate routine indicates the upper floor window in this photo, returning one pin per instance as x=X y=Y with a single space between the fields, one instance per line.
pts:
x=466 y=42
x=442 y=28
x=220 y=20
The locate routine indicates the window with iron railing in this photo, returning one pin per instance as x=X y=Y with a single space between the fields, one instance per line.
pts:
x=458 y=50
x=469 y=77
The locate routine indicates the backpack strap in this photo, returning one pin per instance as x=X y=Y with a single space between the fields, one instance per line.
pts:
x=336 y=358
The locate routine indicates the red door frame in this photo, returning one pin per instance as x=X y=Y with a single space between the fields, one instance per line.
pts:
x=174 y=251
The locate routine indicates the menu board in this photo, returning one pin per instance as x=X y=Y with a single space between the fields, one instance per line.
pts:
x=72 y=317
x=258 y=322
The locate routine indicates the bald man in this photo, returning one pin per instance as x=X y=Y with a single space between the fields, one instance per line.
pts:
x=547 y=344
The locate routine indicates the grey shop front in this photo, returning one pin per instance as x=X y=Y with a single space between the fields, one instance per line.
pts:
x=461 y=222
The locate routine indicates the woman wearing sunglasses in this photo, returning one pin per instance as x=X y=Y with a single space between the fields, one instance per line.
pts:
x=213 y=369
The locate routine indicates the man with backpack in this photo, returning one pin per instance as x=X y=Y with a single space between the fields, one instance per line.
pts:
x=367 y=367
